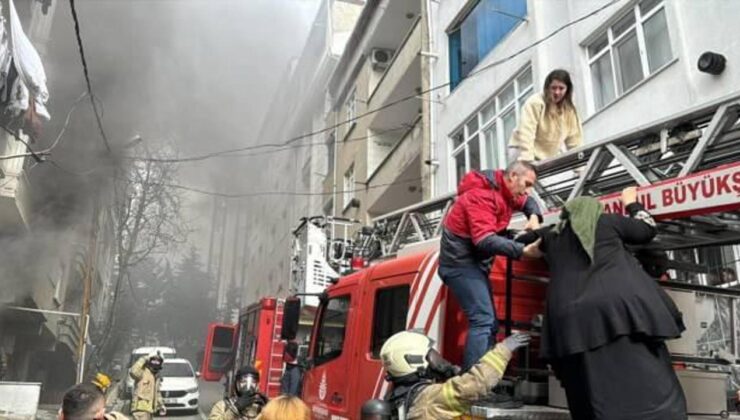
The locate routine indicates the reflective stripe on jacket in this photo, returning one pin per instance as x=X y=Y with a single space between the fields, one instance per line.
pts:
x=454 y=397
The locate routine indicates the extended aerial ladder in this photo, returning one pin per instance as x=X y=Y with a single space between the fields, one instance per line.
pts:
x=687 y=167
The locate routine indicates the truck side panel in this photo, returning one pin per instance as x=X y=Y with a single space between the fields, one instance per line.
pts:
x=333 y=374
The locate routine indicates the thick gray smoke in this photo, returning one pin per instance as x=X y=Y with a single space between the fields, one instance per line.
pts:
x=196 y=74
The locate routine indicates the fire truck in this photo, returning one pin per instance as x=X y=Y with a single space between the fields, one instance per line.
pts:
x=687 y=168
x=254 y=341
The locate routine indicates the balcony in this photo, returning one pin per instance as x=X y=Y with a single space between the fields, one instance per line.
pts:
x=396 y=182
x=14 y=186
x=403 y=75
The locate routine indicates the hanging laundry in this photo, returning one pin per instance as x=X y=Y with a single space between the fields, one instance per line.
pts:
x=16 y=50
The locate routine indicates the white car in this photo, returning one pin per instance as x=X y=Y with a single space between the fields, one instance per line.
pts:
x=166 y=352
x=179 y=387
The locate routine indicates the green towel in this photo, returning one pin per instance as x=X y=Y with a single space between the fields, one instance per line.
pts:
x=583 y=214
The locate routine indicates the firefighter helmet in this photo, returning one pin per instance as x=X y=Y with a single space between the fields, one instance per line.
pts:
x=102 y=381
x=405 y=352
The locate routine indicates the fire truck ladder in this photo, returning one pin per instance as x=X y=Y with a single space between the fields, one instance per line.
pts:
x=686 y=165
x=667 y=159
x=275 y=364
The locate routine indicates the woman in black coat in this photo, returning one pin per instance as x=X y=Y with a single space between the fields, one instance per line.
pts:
x=607 y=319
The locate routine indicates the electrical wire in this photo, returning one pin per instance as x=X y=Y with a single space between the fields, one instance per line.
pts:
x=397 y=101
x=244 y=194
x=235 y=152
x=40 y=155
x=66 y=122
x=87 y=75
x=288 y=193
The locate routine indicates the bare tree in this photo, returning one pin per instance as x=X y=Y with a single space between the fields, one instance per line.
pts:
x=148 y=221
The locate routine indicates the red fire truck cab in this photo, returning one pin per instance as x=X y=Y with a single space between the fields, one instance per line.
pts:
x=358 y=313
x=255 y=341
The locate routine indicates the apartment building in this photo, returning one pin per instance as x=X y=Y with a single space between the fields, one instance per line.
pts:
x=297 y=109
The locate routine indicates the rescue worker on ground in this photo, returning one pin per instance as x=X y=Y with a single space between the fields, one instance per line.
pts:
x=472 y=235
x=246 y=403
x=426 y=386
x=86 y=402
x=147 y=399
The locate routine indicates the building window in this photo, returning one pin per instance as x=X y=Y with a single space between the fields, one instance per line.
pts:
x=330 y=149
x=332 y=326
x=328 y=208
x=629 y=51
x=351 y=109
x=348 y=187
x=389 y=315
x=481 y=142
x=487 y=23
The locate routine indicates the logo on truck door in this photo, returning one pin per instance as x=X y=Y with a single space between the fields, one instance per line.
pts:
x=322 y=387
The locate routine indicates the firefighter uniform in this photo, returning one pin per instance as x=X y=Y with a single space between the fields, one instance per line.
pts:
x=146 y=399
x=114 y=415
x=226 y=410
x=452 y=398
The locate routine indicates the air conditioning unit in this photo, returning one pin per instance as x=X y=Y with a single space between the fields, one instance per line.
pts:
x=380 y=58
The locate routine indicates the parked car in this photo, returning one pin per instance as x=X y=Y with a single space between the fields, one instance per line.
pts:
x=166 y=352
x=179 y=386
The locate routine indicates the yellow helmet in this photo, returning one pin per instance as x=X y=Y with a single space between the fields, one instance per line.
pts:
x=405 y=352
x=102 y=381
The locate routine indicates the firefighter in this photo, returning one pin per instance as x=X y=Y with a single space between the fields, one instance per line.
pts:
x=426 y=386
x=147 y=399
x=84 y=402
x=247 y=401
x=473 y=233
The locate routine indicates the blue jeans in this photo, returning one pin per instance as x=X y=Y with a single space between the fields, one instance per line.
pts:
x=472 y=289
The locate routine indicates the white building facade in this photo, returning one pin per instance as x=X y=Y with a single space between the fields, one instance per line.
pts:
x=299 y=107
x=632 y=62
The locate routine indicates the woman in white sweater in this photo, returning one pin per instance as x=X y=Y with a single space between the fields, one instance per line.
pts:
x=548 y=121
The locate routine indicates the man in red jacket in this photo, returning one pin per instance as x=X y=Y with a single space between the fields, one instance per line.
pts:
x=471 y=238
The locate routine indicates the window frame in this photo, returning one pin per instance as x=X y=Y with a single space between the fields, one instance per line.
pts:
x=614 y=41
x=331 y=146
x=351 y=108
x=455 y=40
x=386 y=307
x=320 y=359
x=348 y=186
x=521 y=93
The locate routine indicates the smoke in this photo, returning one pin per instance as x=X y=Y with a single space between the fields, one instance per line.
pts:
x=197 y=75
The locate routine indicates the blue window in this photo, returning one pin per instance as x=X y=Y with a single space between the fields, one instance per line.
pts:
x=479 y=32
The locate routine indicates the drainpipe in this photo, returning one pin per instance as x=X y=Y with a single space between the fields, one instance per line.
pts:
x=429 y=55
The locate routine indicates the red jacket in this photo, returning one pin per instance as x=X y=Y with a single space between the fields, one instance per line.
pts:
x=482 y=210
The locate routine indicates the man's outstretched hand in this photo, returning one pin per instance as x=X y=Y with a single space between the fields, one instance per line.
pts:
x=516 y=341
x=533 y=250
